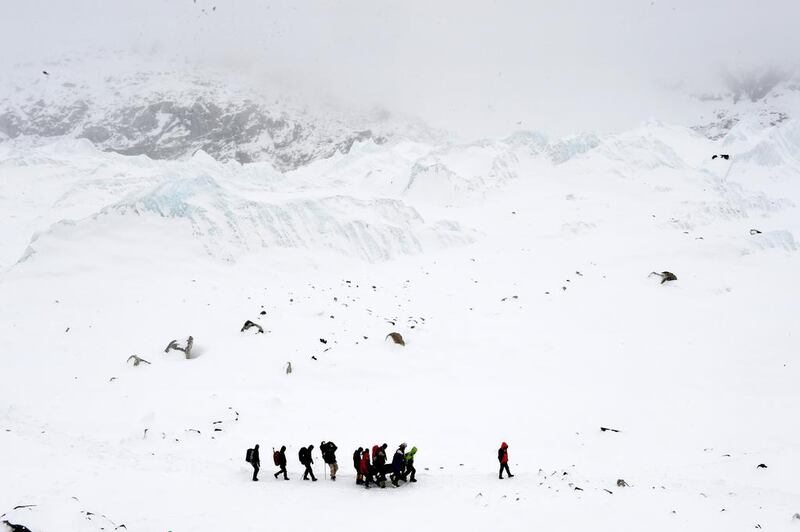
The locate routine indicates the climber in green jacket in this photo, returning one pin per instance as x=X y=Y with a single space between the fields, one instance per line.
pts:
x=410 y=465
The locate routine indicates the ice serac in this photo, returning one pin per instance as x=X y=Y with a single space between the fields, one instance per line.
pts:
x=772 y=147
x=462 y=170
x=639 y=149
x=565 y=148
x=227 y=224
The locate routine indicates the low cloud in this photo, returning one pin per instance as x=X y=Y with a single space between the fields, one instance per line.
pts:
x=476 y=67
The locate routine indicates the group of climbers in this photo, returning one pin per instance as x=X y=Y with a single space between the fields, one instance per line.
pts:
x=374 y=471
x=279 y=458
x=369 y=469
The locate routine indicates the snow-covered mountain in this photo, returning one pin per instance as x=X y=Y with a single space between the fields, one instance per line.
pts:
x=768 y=97
x=172 y=111
x=517 y=269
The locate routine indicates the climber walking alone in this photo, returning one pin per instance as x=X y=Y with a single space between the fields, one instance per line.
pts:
x=502 y=457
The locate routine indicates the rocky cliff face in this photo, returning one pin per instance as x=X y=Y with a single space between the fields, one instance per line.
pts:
x=165 y=115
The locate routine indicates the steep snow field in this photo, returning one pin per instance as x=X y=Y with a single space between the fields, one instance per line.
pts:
x=516 y=269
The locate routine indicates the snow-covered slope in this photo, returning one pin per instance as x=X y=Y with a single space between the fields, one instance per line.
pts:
x=517 y=270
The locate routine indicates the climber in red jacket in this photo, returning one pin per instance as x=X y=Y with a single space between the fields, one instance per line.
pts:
x=502 y=457
x=365 y=468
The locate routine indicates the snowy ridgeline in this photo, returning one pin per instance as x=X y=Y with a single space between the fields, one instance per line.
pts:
x=171 y=111
x=366 y=186
x=378 y=201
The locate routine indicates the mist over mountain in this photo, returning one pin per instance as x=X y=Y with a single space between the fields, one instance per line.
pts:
x=480 y=69
x=170 y=109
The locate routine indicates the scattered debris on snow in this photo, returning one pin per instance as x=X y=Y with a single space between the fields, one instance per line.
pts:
x=186 y=347
x=396 y=338
x=665 y=276
x=136 y=360
x=251 y=324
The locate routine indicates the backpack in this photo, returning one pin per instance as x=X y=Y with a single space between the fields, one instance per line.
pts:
x=302 y=455
x=328 y=453
x=249 y=456
x=276 y=457
x=375 y=451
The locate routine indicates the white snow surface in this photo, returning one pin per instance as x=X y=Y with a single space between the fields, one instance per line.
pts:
x=517 y=271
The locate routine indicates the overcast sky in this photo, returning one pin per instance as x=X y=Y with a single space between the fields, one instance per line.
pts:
x=473 y=66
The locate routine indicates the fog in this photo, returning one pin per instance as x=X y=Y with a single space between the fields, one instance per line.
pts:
x=474 y=67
